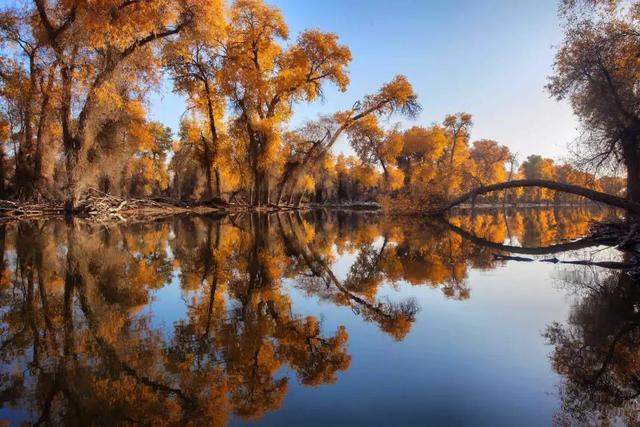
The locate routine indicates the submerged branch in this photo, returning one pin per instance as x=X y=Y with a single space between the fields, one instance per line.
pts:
x=541 y=250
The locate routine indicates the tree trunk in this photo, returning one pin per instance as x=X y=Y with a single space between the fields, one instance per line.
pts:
x=2 y=173
x=42 y=122
x=212 y=150
x=631 y=154
x=342 y=190
x=218 y=184
x=596 y=196
x=69 y=142
x=24 y=156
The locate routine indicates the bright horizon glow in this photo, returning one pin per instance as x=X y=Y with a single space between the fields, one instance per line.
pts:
x=489 y=58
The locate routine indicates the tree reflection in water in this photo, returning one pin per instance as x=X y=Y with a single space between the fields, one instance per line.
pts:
x=597 y=352
x=78 y=347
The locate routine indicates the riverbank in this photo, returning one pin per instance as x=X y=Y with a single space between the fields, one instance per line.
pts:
x=102 y=207
x=107 y=207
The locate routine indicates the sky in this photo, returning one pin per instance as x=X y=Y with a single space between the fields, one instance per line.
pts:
x=490 y=58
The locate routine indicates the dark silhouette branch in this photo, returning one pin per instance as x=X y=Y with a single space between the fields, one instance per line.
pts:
x=542 y=250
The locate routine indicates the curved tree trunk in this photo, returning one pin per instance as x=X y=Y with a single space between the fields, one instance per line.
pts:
x=596 y=196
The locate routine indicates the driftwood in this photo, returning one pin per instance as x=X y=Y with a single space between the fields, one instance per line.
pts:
x=106 y=208
x=499 y=257
x=97 y=207
x=14 y=210
x=612 y=265
x=596 y=196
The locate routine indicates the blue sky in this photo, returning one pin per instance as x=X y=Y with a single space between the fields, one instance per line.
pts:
x=490 y=58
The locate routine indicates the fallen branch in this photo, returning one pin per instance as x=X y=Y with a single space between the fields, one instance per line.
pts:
x=596 y=196
x=613 y=265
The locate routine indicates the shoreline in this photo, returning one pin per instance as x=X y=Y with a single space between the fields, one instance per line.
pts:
x=102 y=208
x=109 y=210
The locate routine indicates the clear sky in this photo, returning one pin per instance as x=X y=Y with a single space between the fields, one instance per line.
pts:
x=490 y=58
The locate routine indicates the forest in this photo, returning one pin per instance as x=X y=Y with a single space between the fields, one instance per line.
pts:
x=75 y=80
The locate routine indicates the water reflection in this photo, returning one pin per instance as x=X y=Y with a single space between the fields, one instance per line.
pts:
x=597 y=351
x=78 y=345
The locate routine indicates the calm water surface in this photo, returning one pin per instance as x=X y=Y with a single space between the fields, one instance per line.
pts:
x=321 y=318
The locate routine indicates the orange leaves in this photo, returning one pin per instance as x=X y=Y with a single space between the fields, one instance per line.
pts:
x=107 y=23
x=263 y=78
x=307 y=182
x=424 y=144
x=314 y=58
x=395 y=178
x=397 y=95
x=242 y=79
x=490 y=161
x=5 y=130
x=536 y=167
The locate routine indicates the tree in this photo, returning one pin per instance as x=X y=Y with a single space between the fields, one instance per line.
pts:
x=537 y=167
x=28 y=86
x=490 y=160
x=396 y=96
x=102 y=48
x=457 y=127
x=378 y=147
x=424 y=163
x=263 y=79
x=194 y=62
x=597 y=69
x=147 y=172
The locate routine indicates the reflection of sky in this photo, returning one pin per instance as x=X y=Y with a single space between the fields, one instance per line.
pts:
x=167 y=306
x=482 y=361
x=167 y=303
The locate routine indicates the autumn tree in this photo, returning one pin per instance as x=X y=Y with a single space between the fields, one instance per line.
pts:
x=490 y=160
x=567 y=173
x=537 y=167
x=378 y=147
x=263 y=79
x=396 y=96
x=97 y=44
x=597 y=69
x=146 y=172
x=28 y=80
x=194 y=62
x=457 y=128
